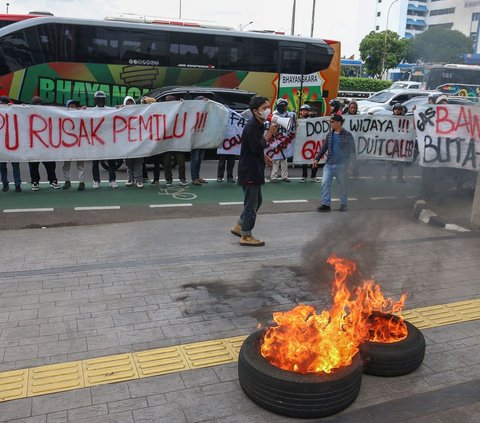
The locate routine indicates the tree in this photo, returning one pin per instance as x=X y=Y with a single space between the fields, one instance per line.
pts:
x=374 y=50
x=440 y=45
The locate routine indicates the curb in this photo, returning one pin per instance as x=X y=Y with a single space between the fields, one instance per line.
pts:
x=425 y=215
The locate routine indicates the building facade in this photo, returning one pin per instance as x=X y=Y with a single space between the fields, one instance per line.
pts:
x=411 y=17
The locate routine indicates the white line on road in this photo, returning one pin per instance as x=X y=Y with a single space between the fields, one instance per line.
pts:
x=349 y=199
x=288 y=201
x=27 y=210
x=232 y=203
x=97 y=208
x=156 y=206
x=383 y=198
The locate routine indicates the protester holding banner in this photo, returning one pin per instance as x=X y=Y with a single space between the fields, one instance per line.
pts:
x=196 y=157
x=134 y=166
x=251 y=168
x=339 y=147
x=74 y=105
x=49 y=166
x=398 y=110
x=229 y=161
x=305 y=114
x=336 y=107
x=352 y=109
x=282 y=162
x=4 y=102
x=100 y=99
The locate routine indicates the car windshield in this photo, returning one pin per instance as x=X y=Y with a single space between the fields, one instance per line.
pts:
x=381 y=97
x=415 y=101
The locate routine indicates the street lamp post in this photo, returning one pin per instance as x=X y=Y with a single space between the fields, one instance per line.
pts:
x=7 y=4
x=180 y=10
x=313 y=19
x=242 y=27
x=385 y=38
x=293 y=17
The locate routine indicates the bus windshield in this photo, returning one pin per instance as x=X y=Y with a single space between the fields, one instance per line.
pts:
x=61 y=58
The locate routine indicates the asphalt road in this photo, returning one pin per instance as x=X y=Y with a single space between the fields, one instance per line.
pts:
x=49 y=207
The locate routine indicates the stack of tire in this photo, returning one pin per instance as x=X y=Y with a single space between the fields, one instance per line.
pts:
x=320 y=394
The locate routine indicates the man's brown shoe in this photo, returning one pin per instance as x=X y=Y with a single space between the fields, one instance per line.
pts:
x=236 y=230
x=249 y=240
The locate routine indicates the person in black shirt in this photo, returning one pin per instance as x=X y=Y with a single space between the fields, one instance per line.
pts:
x=251 y=168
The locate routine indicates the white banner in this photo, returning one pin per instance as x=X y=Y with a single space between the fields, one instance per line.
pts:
x=311 y=134
x=376 y=137
x=282 y=144
x=233 y=132
x=448 y=136
x=41 y=133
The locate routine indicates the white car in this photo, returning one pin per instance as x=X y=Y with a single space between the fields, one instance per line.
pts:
x=386 y=99
x=406 y=85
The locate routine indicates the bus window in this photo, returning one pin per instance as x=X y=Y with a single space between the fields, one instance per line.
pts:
x=97 y=45
x=292 y=60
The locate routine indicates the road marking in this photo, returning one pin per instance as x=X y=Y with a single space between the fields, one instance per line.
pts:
x=97 y=208
x=28 y=210
x=349 y=199
x=288 y=201
x=67 y=376
x=232 y=203
x=156 y=206
x=383 y=198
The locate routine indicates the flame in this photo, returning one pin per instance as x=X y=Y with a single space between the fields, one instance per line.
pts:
x=306 y=342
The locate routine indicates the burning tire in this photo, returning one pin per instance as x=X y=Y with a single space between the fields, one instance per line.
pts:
x=294 y=394
x=394 y=359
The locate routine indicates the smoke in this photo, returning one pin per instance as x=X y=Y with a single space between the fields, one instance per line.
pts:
x=355 y=240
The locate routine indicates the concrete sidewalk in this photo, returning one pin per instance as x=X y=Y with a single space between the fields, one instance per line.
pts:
x=74 y=293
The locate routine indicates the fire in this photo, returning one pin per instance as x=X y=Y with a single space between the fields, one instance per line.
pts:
x=306 y=342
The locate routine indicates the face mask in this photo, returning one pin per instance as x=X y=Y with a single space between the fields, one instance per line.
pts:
x=265 y=114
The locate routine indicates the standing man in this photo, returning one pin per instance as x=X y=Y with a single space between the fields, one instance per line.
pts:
x=74 y=105
x=281 y=111
x=398 y=110
x=4 y=102
x=100 y=99
x=251 y=169
x=339 y=146
x=49 y=166
x=305 y=114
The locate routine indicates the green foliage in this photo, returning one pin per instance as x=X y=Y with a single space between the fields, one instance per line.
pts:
x=377 y=47
x=440 y=45
x=363 y=84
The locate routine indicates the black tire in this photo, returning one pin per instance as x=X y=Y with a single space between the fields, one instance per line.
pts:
x=395 y=359
x=293 y=394
x=118 y=164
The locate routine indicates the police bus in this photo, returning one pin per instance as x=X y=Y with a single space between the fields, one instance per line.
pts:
x=62 y=58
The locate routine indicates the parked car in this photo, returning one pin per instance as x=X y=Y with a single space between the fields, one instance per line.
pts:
x=232 y=98
x=386 y=99
x=406 y=85
x=421 y=101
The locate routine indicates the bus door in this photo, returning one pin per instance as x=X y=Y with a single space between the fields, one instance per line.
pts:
x=291 y=70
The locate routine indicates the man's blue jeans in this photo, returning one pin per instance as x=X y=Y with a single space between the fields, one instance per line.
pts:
x=196 y=158
x=16 y=173
x=340 y=172
x=251 y=203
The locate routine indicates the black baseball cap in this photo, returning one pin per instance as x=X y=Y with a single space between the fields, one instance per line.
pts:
x=337 y=118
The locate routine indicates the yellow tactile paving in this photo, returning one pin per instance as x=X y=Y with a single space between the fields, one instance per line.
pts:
x=160 y=361
x=114 y=368
x=208 y=353
x=122 y=367
x=13 y=385
x=55 y=378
